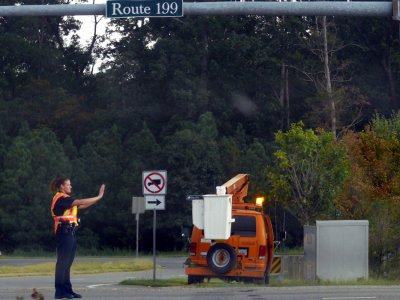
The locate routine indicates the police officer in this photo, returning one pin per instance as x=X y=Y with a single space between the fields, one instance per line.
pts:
x=64 y=210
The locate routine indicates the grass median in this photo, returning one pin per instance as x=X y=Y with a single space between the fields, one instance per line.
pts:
x=179 y=282
x=47 y=268
x=274 y=282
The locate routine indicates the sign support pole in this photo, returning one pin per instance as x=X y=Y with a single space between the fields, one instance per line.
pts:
x=137 y=235
x=154 y=190
x=315 y=8
x=138 y=207
x=154 y=243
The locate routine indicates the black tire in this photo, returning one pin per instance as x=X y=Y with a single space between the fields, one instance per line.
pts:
x=221 y=258
x=192 y=279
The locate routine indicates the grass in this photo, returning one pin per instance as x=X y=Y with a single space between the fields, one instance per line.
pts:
x=77 y=268
x=289 y=251
x=115 y=266
x=80 y=252
x=182 y=281
x=91 y=253
x=370 y=281
x=275 y=281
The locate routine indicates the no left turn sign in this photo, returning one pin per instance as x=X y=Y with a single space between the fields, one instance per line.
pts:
x=154 y=182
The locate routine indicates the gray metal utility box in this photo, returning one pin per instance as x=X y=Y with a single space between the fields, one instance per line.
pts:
x=338 y=248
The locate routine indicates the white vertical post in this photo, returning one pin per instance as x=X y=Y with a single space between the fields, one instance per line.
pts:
x=154 y=243
x=137 y=234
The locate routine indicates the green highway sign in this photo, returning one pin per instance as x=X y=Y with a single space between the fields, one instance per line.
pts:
x=143 y=8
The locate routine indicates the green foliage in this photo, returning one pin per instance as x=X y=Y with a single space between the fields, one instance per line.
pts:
x=158 y=283
x=85 y=267
x=387 y=128
x=254 y=162
x=372 y=191
x=192 y=155
x=30 y=162
x=308 y=172
x=198 y=97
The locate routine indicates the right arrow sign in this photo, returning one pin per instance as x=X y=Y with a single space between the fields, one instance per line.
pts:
x=155 y=202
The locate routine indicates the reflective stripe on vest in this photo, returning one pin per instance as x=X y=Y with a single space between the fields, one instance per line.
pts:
x=70 y=214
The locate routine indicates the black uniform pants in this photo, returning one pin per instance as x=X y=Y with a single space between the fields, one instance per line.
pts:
x=66 y=248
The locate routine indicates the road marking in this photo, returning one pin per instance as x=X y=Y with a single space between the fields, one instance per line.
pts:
x=97 y=285
x=349 y=298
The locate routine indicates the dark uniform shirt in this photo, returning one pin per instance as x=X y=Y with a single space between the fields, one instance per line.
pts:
x=62 y=204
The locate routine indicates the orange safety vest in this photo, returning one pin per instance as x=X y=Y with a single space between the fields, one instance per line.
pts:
x=70 y=214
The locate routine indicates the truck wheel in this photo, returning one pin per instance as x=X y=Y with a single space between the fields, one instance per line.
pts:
x=195 y=279
x=221 y=258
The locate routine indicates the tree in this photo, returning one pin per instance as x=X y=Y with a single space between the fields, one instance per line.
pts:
x=194 y=167
x=192 y=155
x=337 y=103
x=304 y=176
x=176 y=71
x=254 y=161
x=31 y=161
x=382 y=45
x=373 y=190
x=102 y=163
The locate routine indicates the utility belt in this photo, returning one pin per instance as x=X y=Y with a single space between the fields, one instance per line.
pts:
x=66 y=227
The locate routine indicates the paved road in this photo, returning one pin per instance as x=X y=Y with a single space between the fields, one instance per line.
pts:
x=105 y=287
x=11 y=287
x=115 y=292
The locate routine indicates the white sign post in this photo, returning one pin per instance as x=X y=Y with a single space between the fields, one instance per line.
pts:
x=154 y=190
x=138 y=207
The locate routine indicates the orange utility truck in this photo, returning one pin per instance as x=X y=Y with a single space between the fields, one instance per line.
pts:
x=231 y=239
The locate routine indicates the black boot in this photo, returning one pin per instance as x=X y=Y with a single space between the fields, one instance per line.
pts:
x=75 y=295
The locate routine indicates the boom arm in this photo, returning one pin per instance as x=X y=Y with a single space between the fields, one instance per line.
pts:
x=237 y=187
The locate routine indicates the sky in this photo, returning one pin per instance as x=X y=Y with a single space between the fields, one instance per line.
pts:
x=87 y=28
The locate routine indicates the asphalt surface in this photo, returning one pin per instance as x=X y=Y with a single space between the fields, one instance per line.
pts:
x=90 y=285
x=105 y=286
